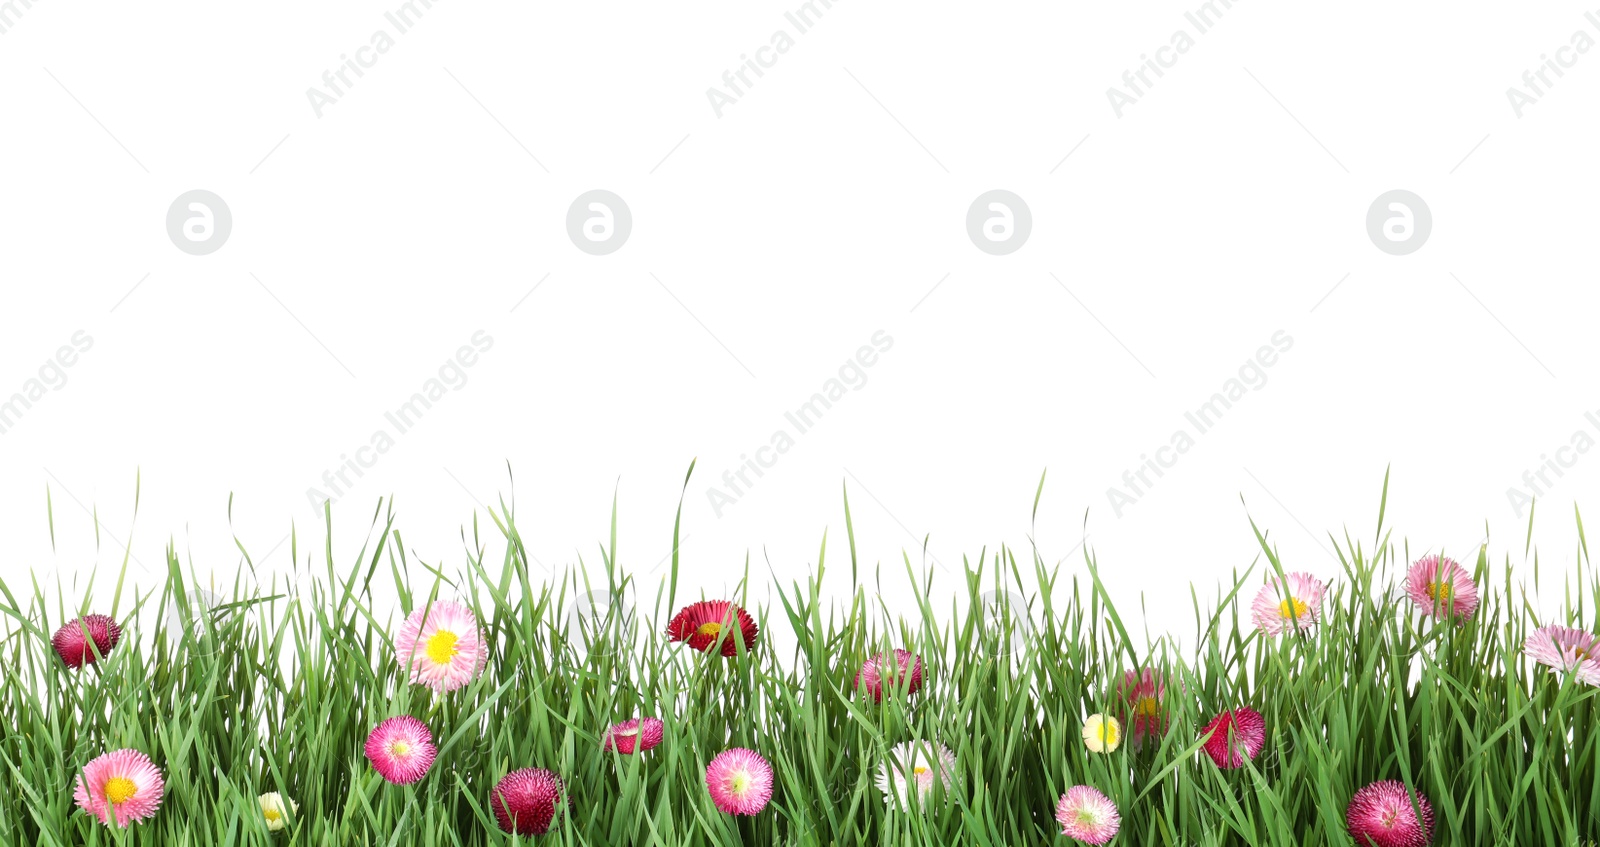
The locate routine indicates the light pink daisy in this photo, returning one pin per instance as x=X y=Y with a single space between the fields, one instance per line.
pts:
x=1087 y=815
x=446 y=650
x=634 y=736
x=123 y=784
x=914 y=766
x=1232 y=738
x=740 y=781
x=528 y=801
x=1294 y=605
x=883 y=675
x=1141 y=694
x=1381 y=815
x=1438 y=585
x=401 y=748
x=1566 y=650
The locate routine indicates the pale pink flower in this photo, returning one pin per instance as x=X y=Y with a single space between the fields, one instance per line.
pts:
x=1566 y=650
x=1439 y=585
x=1292 y=605
x=122 y=784
x=1087 y=815
x=445 y=649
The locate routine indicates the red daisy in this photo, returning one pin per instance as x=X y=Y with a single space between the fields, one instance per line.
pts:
x=1232 y=738
x=527 y=801
x=72 y=641
x=635 y=735
x=702 y=624
x=883 y=674
x=1381 y=815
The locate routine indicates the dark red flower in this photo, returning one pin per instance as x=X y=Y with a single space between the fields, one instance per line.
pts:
x=74 y=648
x=1234 y=737
x=527 y=801
x=628 y=736
x=1381 y=815
x=883 y=674
x=702 y=624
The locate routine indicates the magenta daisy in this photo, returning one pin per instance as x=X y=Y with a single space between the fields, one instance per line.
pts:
x=1141 y=694
x=122 y=784
x=442 y=646
x=914 y=766
x=740 y=781
x=701 y=624
x=1294 y=604
x=886 y=673
x=634 y=736
x=1438 y=584
x=1566 y=650
x=74 y=639
x=1232 y=738
x=401 y=749
x=1382 y=815
x=528 y=801
x=1087 y=815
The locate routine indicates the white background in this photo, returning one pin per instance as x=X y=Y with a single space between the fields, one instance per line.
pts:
x=768 y=244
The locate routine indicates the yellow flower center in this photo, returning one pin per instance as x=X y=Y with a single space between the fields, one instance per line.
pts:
x=1147 y=707
x=711 y=629
x=272 y=815
x=739 y=783
x=1293 y=609
x=442 y=647
x=400 y=748
x=919 y=770
x=1441 y=592
x=1109 y=733
x=120 y=789
x=1086 y=817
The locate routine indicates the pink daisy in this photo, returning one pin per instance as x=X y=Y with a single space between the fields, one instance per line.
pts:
x=72 y=641
x=701 y=625
x=1438 y=584
x=1143 y=714
x=1087 y=815
x=1381 y=815
x=634 y=735
x=446 y=650
x=123 y=784
x=401 y=748
x=1566 y=650
x=883 y=674
x=740 y=781
x=1232 y=738
x=528 y=801
x=1299 y=606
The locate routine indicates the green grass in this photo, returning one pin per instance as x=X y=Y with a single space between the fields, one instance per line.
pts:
x=276 y=689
